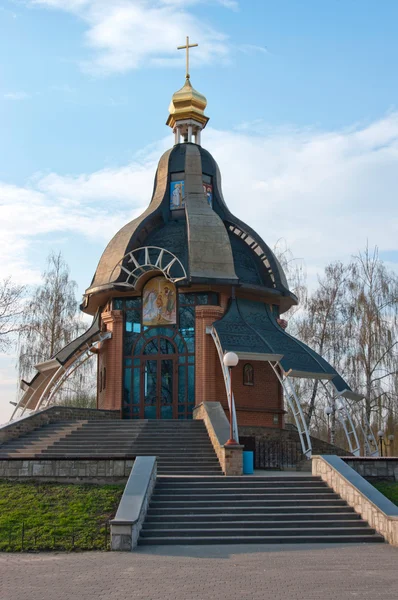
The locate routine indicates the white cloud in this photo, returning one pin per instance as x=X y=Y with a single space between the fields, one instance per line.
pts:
x=127 y=34
x=326 y=193
x=16 y=96
x=253 y=49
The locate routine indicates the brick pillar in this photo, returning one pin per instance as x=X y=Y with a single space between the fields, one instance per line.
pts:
x=114 y=360
x=207 y=374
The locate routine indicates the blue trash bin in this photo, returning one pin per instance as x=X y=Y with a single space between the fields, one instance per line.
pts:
x=248 y=460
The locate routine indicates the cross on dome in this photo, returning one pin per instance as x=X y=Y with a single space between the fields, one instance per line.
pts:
x=187 y=47
x=187 y=117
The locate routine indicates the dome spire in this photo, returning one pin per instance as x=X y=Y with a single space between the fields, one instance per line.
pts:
x=187 y=47
x=187 y=107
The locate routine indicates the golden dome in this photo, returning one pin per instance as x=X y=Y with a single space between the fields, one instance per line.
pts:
x=186 y=104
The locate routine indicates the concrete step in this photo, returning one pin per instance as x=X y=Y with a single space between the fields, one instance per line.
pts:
x=254 y=504
x=258 y=525
x=244 y=479
x=165 y=519
x=221 y=509
x=227 y=491
x=248 y=497
x=196 y=471
x=258 y=539
x=260 y=530
x=225 y=483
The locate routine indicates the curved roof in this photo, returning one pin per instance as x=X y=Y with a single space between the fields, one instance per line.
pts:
x=213 y=245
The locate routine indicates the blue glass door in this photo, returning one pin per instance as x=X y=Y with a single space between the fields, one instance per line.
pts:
x=150 y=385
x=166 y=388
x=158 y=388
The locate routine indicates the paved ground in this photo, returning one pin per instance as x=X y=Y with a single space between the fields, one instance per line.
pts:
x=293 y=572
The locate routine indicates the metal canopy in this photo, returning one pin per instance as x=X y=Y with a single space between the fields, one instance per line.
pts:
x=52 y=373
x=251 y=330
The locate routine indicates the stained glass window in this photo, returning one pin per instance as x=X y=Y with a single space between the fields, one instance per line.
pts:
x=159 y=360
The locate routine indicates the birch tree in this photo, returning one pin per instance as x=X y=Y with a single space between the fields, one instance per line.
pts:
x=50 y=319
x=373 y=332
x=11 y=309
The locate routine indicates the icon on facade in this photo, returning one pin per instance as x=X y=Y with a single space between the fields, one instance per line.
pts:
x=159 y=300
x=208 y=190
x=176 y=195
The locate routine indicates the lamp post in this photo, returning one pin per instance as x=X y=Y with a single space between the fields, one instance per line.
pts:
x=328 y=412
x=230 y=361
x=383 y=441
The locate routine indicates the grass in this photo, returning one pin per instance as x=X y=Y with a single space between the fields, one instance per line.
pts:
x=389 y=489
x=52 y=516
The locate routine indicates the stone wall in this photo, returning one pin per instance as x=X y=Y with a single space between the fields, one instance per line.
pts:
x=87 y=470
x=131 y=513
x=375 y=469
x=213 y=416
x=376 y=509
x=52 y=414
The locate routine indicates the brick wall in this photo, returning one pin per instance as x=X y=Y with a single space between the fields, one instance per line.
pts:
x=209 y=383
x=260 y=404
x=111 y=356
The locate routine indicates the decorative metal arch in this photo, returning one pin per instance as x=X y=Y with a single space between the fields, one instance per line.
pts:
x=295 y=406
x=44 y=395
x=225 y=372
x=344 y=417
x=155 y=259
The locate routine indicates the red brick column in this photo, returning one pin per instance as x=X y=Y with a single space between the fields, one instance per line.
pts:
x=208 y=376
x=111 y=398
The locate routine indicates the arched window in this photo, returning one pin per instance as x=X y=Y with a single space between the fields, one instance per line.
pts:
x=248 y=374
x=104 y=379
x=100 y=380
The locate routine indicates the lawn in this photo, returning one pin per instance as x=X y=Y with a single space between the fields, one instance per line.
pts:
x=52 y=516
x=389 y=489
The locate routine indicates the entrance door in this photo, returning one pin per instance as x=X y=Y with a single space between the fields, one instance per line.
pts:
x=158 y=388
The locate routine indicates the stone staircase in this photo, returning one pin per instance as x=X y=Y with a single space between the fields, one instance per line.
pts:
x=182 y=447
x=226 y=510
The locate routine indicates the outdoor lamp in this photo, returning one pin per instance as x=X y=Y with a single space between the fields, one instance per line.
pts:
x=328 y=411
x=230 y=360
x=391 y=437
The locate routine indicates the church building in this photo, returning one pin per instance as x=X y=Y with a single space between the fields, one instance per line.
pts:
x=179 y=287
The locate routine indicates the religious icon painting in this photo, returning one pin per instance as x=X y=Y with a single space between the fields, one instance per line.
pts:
x=159 y=302
x=208 y=190
x=176 y=195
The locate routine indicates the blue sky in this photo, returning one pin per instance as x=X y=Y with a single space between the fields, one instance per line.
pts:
x=302 y=99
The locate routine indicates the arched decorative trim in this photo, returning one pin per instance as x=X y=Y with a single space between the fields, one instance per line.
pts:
x=154 y=259
x=257 y=249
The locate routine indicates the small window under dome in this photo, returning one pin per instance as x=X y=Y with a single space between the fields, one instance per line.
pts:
x=248 y=374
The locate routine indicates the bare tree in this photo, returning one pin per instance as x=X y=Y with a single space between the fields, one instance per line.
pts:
x=11 y=309
x=373 y=331
x=50 y=319
x=322 y=326
x=351 y=319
